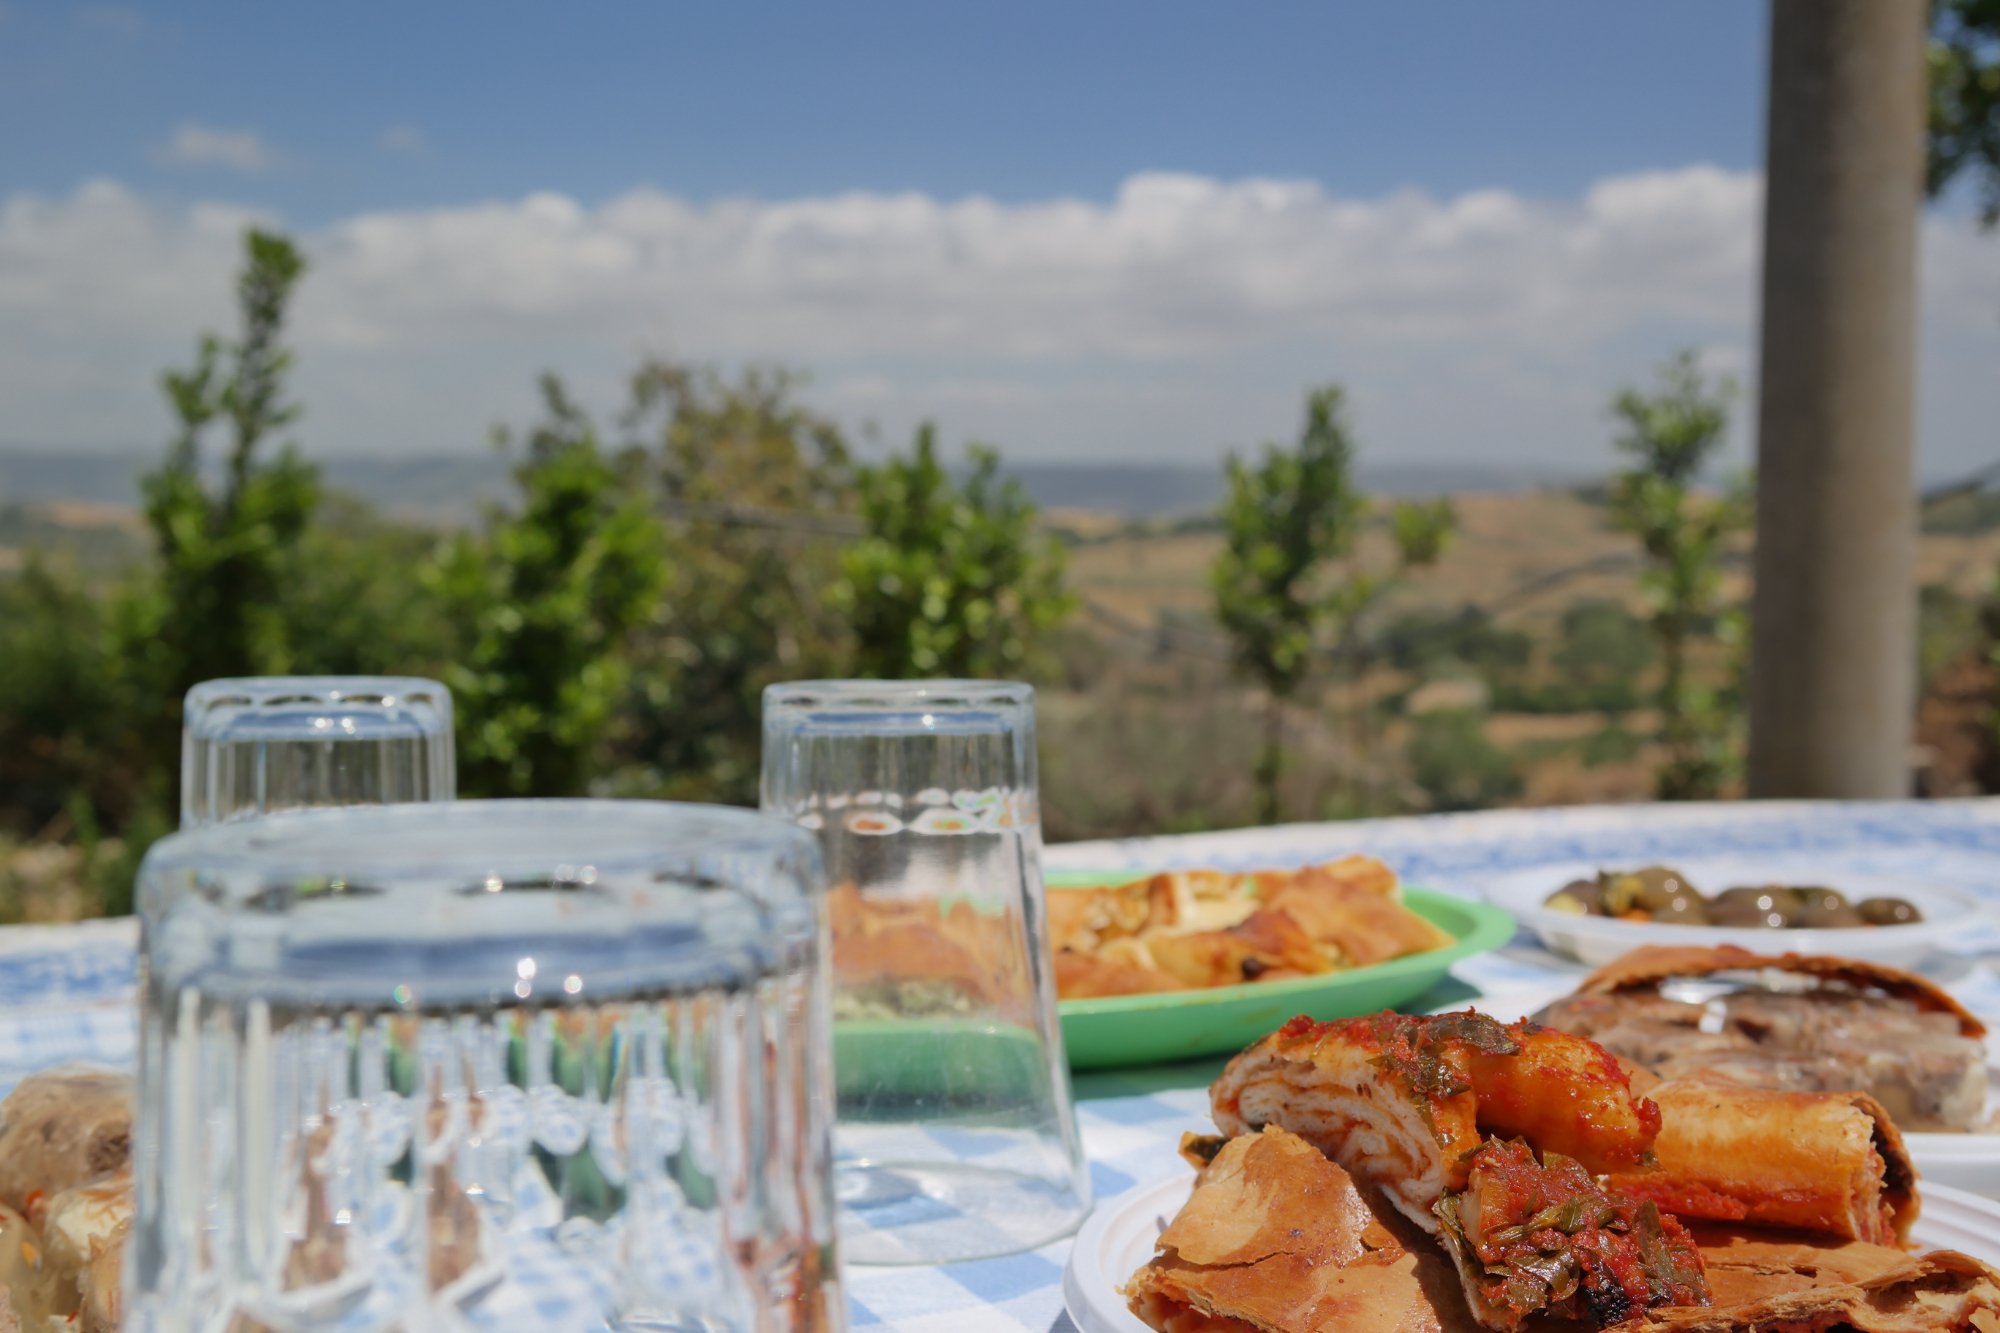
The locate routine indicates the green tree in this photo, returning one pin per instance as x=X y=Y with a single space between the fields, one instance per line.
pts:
x=546 y=598
x=757 y=495
x=227 y=553
x=1965 y=99
x=1286 y=578
x=1671 y=434
x=948 y=578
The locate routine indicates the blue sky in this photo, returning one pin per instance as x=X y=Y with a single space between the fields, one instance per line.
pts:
x=1020 y=100
x=1103 y=230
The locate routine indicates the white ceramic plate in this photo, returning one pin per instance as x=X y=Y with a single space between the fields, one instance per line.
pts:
x=1119 y=1237
x=1597 y=940
x=1965 y=1161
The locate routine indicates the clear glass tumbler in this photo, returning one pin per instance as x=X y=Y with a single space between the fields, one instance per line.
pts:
x=955 y=1137
x=501 y=1065
x=256 y=744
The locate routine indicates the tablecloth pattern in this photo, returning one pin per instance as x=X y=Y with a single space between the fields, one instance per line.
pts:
x=66 y=992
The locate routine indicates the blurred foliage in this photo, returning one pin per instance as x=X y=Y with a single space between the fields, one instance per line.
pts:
x=1430 y=641
x=1672 y=434
x=60 y=715
x=545 y=599
x=1613 y=744
x=359 y=603
x=948 y=578
x=1288 y=588
x=1604 y=652
x=1458 y=766
x=227 y=547
x=757 y=496
x=1949 y=626
x=1965 y=99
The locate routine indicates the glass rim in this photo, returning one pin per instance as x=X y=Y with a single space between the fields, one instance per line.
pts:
x=269 y=691
x=945 y=693
x=471 y=839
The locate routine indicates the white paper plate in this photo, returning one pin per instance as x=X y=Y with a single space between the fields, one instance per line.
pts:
x=1119 y=1237
x=1597 y=940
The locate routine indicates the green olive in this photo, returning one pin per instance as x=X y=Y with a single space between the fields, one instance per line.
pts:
x=1583 y=897
x=1686 y=908
x=1821 y=909
x=1888 y=912
x=1649 y=889
x=1817 y=898
x=1772 y=906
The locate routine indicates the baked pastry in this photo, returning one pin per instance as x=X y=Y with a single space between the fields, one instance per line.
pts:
x=1486 y=1137
x=1790 y=1022
x=83 y=1245
x=60 y=1129
x=1277 y=1239
x=1826 y=1162
x=1195 y=929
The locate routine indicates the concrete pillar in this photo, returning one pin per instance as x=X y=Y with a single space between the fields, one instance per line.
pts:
x=1833 y=639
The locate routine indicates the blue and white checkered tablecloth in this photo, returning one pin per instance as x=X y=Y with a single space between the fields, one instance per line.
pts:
x=66 y=992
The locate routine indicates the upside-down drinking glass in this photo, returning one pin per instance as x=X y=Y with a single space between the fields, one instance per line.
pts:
x=489 y=1065
x=955 y=1137
x=256 y=744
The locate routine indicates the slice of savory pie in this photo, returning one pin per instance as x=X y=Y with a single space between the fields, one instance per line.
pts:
x=1277 y=1239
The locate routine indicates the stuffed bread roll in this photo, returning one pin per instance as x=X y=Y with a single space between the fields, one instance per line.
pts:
x=1400 y=1100
x=1828 y=1162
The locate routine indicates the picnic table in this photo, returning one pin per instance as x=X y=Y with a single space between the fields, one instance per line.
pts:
x=66 y=992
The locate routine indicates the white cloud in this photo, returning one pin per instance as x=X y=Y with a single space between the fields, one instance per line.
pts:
x=204 y=146
x=1182 y=316
x=402 y=139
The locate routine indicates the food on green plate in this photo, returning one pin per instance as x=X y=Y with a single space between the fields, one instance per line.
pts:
x=1195 y=929
x=1662 y=895
x=1790 y=1023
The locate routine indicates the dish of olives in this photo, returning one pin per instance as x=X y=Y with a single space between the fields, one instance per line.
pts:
x=1663 y=895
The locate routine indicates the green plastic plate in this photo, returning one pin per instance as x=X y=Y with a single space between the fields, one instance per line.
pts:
x=1179 y=1025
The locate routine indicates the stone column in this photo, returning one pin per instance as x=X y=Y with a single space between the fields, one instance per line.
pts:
x=1833 y=640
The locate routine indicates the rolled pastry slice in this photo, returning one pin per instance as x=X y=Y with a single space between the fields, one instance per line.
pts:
x=1400 y=1100
x=1277 y=1239
x=1826 y=1162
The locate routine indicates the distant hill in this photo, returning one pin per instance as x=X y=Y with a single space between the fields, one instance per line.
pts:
x=452 y=486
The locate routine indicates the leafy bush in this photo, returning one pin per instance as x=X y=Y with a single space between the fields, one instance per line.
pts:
x=1457 y=765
